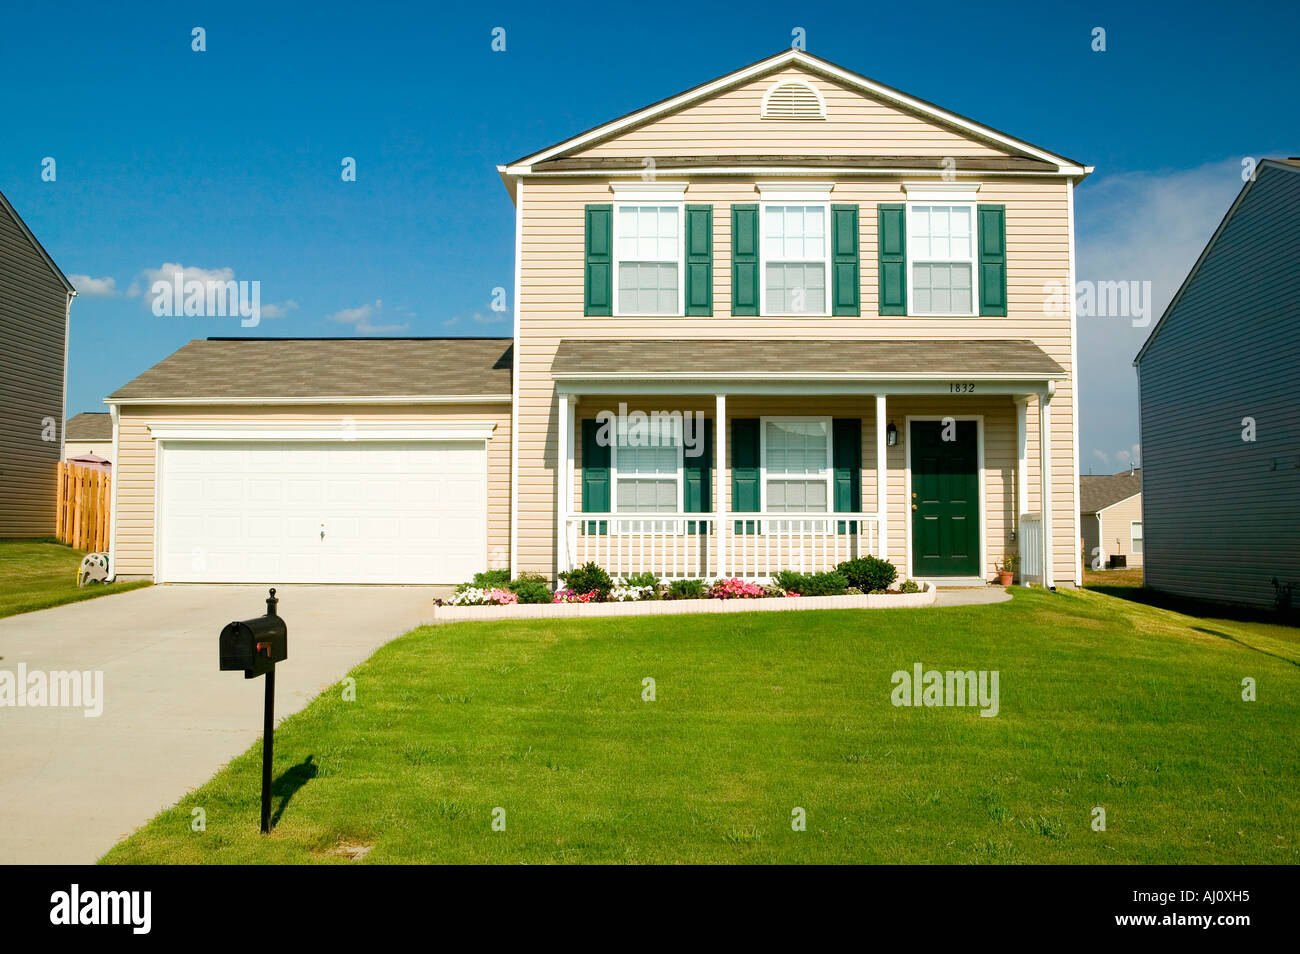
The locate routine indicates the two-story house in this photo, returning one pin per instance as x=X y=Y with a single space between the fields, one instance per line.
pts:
x=866 y=298
x=784 y=318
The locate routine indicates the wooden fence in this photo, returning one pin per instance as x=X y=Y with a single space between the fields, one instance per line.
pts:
x=83 y=507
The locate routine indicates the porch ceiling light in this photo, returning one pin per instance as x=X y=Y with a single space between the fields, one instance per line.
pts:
x=891 y=434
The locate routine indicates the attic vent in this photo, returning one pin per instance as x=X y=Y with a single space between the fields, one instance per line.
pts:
x=793 y=99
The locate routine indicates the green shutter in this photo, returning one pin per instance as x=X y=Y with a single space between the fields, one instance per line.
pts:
x=891 y=246
x=699 y=260
x=595 y=476
x=846 y=458
x=993 y=259
x=598 y=281
x=697 y=480
x=746 y=495
x=844 y=260
x=744 y=259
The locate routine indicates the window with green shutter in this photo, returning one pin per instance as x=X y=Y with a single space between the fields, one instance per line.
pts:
x=744 y=259
x=844 y=260
x=699 y=260
x=993 y=259
x=598 y=278
x=595 y=476
x=891 y=258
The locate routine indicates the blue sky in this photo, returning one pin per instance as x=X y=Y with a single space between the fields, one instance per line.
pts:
x=230 y=158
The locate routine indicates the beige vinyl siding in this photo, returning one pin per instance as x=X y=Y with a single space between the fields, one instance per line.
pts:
x=33 y=327
x=103 y=449
x=1116 y=529
x=551 y=308
x=136 y=450
x=731 y=124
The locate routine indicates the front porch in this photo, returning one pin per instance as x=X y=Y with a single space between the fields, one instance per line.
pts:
x=796 y=471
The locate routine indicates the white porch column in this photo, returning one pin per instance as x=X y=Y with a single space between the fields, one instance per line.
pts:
x=719 y=478
x=1045 y=475
x=882 y=480
x=563 y=480
x=1022 y=459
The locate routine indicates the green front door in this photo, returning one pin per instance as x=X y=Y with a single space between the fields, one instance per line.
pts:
x=945 y=499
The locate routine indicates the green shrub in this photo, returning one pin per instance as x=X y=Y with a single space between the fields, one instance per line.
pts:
x=909 y=586
x=490 y=578
x=868 y=574
x=686 y=590
x=531 y=588
x=590 y=576
x=642 y=580
x=812 y=584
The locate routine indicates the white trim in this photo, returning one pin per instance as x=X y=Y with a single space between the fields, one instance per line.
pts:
x=645 y=191
x=684 y=384
x=828 y=229
x=782 y=82
x=882 y=477
x=907 y=487
x=1075 y=520
x=679 y=476
x=1045 y=488
x=721 y=476
x=791 y=171
x=1133 y=541
x=974 y=258
x=159 y=484
x=825 y=420
x=113 y=414
x=797 y=193
x=514 y=386
x=809 y=375
x=679 y=204
x=815 y=65
x=330 y=399
x=322 y=431
x=942 y=191
x=1022 y=463
x=563 y=438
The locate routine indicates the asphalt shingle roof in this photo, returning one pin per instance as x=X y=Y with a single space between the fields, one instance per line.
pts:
x=1106 y=490
x=89 y=426
x=326 y=367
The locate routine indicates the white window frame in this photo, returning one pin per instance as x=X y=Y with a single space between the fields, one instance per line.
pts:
x=1134 y=543
x=675 y=200
x=807 y=201
x=679 y=476
x=953 y=200
x=830 y=458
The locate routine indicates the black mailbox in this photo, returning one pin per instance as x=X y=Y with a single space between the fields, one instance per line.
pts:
x=255 y=645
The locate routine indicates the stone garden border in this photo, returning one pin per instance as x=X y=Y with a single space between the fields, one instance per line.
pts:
x=457 y=614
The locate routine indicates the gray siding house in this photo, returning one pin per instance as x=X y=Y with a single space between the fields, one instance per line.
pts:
x=35 y=301
x=1219 y=392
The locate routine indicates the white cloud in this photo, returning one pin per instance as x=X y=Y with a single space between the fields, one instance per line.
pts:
x=360 y=318
x=274 y=310
x=1140 y=226
x=168 y=271
x=105 y=287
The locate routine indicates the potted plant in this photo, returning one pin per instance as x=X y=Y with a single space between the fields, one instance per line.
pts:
x=1007 y=569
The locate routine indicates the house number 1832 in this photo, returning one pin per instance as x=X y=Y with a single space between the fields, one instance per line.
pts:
x=957 y=388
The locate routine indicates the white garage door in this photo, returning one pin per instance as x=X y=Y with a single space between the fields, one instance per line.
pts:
x=322 y=511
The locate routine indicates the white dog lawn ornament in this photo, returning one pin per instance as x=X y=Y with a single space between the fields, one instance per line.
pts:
x=94 y=567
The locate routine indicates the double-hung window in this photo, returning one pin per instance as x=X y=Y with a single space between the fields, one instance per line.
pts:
x=648 y=249
x=795 y=246
x=797 y=470
x=1135 y=536
x=941 y=258
x=647 y=475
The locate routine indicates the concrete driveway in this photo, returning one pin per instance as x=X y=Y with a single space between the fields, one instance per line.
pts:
x=71 y=787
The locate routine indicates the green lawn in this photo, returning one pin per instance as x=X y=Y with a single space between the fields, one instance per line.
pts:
x=1104 y=703
x=37 y=574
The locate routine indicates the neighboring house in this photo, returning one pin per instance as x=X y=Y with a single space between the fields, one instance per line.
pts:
x=852 y=289
x=35 y=304
x=1219 y=386
x=89 y=434
x=1110 y=515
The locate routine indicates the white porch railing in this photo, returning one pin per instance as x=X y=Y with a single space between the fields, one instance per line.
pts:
x=1031 y=547
x=687 y=545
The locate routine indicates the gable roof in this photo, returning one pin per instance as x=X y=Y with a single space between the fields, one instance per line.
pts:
x=1096 y=493
x=89 y=426
x=805 y=60
x=1291 y=165
x=31 y=237
x=325 y=370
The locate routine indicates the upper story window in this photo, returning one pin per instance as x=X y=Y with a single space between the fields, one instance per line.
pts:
x=793 y=99
x=941 y=258
x=647 y=259
x=795 y=253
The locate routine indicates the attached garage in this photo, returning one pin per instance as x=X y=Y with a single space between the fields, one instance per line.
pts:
x=365 y=485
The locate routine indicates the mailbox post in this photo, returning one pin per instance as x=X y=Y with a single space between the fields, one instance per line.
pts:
x=255 y=646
